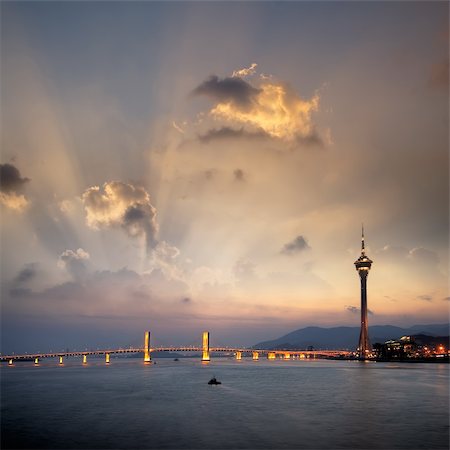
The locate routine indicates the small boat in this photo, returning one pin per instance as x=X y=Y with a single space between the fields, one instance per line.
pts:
x=214 y=381
x=176 y=359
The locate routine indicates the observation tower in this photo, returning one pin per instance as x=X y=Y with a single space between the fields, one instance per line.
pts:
x=363 y=265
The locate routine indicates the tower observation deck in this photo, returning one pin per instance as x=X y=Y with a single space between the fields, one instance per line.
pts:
x=363 y=265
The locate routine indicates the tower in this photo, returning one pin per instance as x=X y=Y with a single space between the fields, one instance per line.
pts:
x=363 y=265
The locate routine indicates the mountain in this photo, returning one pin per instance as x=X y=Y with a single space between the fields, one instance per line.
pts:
x=347 y=337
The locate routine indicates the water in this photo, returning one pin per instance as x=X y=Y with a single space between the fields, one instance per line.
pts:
x=260 y=405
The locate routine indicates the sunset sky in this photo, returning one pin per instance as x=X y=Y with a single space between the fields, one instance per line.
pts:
x=190 y=166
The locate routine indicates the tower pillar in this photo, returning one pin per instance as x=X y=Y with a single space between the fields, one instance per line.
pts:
x=205 y=347
x=147 y=355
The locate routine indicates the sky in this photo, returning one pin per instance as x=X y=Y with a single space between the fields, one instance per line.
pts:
x=189 y=166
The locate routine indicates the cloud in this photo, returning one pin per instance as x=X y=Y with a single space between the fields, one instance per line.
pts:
x=26 y=274
x=244 y=270
x=425 y=298
x=239 y=175
x=245 y=71
x=356 y=310
x=228 y=90
x=446 y=299
x=123 y=205
x=11 y=183
x=439 y=76
x=224 y=133
x=298 y=245
x=165 y=259
x=13 y=201
x=10 y=178
x=270 y=106
x=74 y=263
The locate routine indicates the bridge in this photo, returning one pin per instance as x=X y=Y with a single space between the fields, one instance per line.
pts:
x=205 y=351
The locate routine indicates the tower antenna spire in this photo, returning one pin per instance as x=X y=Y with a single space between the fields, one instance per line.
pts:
x=363 y=249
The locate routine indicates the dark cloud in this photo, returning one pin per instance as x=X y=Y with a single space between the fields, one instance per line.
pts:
x=210 y=173
x=446 y=299
x=298 y=245
x=20 y=292
x=425 y=298
x=356 y=310
x=239 y=175
x=10 y=179
x=229 y=89
x=26 y=274
x=439 y=76
x=140 y=219
x=186 y=300
x=232 y=133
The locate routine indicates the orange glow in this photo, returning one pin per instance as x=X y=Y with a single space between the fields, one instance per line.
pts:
x=84 y=359
x=238 y=356
x=205 y=353
x=147 y=355
x=287 y=356
x=271 y=355
x=60 y=360
x=255 y=356
x=107 y=358
x=36 y=361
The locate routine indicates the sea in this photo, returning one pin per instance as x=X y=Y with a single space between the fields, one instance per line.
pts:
x=281 y=404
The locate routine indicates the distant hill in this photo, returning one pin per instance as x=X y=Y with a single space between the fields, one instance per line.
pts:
x=347 y=337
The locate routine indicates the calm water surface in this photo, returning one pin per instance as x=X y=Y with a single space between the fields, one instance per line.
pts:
x=260 y=405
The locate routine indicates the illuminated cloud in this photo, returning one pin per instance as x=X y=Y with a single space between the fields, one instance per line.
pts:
x=298 y=245
x=13 y=201
x=11 y=183
x=165 y=259
x=74 y=262
x=245 y=72
x=123 y=205
x=271 y=106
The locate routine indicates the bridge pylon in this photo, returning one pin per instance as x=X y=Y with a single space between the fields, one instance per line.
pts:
x=255 y=356
x=238 y=356
x=147 y=355
x=205 y=346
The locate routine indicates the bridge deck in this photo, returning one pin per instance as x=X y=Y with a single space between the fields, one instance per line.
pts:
x=175 y=350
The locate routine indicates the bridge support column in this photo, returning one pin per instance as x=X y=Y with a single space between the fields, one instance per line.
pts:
x=205 y=342
x=147 y=355
x=287 y=356
x=10 y=362
x=255 y=356
x=36 y=361
x=107 y=358
x=238 y=356
x=84 y=359
x=61 y=362
x=271 y=355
